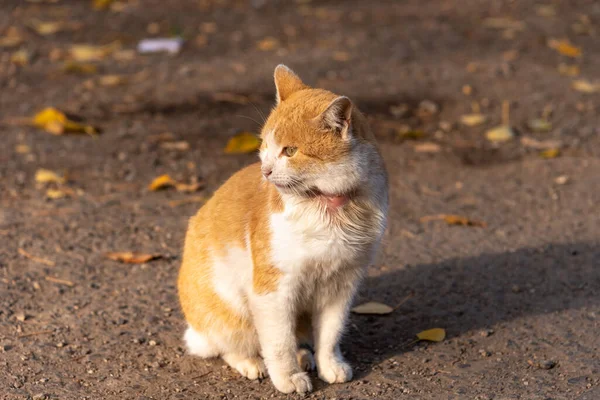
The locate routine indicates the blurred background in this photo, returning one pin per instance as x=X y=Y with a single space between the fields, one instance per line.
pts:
x=119 y=118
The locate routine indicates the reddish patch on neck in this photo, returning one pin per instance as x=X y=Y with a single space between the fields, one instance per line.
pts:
x=336 y=201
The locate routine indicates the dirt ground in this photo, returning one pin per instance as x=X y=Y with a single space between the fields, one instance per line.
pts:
x=519 y=298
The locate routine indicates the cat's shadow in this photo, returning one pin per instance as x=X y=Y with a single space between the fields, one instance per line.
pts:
x=470 y=294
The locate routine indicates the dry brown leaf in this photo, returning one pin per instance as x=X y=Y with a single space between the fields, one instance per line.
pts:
x=46 y=176
x=372 y=307
x=499 y=134
x=102 y=4
x=22 y=149
x=243 y=142
x=267 y=44
x=585 y=86
x=473 y=119
x=46 y=28
x=130 y=257
x=432 y=335
x=550 y=153
x=12 y=38
x=428 y=147
x=162 y=182
x=452 y=219
x=565 y=48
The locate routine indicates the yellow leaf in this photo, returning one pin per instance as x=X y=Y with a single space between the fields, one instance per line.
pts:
x=565 y=48
x=130 y=257
x=502 y=133
x=411 y=134
x=585 y=86
x=568 y=70
x=20 y=57
x=162 y=182
x=46 y=28
x=22 y=149
x=243 y=142
x=372 y=307
x=473 y=119
x=102 y=4
x=84 y=52
x=452 y=219
x=550 y=153
x=432 y=335
x=111 y=80
x=267 y=44
x=79 y=68
x=55 y=194
x=341 y=56
x=57 y=123
x=47 y=176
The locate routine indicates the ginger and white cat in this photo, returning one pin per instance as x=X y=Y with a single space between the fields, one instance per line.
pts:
x=272 y=261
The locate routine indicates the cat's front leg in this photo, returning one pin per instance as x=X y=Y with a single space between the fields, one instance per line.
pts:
x=275 y=323
x=330 y=318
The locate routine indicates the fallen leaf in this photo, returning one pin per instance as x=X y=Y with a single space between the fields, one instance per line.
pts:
x=428 y=147
x=47 y=176
x=20 y=57
x=341 y=56
x=79 y=68
x=565 y=48
x=102 y=4
x=111 y=80
x=432 y=335
x=267 y=44
x=502 y=133
x=130 y=257
x=539 y=125
x=189 y=187
x=550 y=153
x=56 y=194
x=540 y=144
x=12 y=38
x=372 y=307
x=585 y=86
x=473 y=119
x=162 y=182
x=46 y=28
x=568 y=70
x=243 y=142
x=57 y=123
x=181 y=145
x=85 y=52
x=452 y=219
x=412 y=134
x=503 y=23
x=22 y=149
x=159 y=45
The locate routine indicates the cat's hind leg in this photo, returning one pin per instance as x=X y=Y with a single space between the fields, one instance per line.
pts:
x=250 y=367
x=199 y=345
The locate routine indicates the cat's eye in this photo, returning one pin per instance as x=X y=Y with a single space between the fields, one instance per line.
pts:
x=289 y=151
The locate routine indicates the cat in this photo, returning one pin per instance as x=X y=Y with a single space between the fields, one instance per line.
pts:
x=272 y=261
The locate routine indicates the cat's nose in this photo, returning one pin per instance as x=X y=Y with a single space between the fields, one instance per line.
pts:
x=266 y=171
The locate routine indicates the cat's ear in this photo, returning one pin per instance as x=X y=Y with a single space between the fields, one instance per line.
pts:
x=337 y=117
x=286 y=82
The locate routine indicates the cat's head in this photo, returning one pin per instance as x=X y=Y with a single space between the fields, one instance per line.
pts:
x=312 y=141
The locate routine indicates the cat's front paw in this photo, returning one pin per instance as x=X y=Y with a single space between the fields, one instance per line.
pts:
x=298 y=382
x=332 y=370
